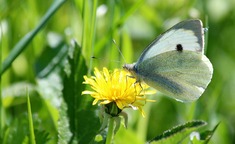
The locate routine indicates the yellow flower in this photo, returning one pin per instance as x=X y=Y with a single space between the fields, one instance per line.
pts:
x=118 y=88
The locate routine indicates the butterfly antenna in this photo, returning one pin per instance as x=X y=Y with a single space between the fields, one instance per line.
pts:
x=119 y=50
x=93 y=57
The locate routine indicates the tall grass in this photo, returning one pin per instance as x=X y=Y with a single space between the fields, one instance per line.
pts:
x=48 y=48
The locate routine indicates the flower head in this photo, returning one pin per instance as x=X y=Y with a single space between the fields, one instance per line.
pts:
x=116 y=88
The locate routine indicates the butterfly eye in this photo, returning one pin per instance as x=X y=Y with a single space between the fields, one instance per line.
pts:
x=179 y=47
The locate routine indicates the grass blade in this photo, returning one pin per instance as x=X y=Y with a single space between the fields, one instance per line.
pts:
x=31 y=129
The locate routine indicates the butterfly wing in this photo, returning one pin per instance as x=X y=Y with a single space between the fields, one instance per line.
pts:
x=175 y=64
x=182 y=75
x=189 y=34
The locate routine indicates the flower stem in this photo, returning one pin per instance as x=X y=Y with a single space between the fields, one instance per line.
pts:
x=110 y=131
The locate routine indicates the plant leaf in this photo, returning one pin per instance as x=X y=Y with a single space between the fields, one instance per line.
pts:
x=64 y=133
x=41 y=136
x=84 y=123
x=51 y=58
x=178 y=133
x=206 y=135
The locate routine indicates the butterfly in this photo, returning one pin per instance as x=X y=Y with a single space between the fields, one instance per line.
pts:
x=174 y=63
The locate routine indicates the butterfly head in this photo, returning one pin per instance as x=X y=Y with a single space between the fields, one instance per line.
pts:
x=131 y=68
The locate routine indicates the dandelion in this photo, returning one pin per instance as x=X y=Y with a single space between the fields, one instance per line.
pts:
x=118 y=89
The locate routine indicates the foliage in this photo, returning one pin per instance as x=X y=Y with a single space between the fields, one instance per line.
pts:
x=47 y=48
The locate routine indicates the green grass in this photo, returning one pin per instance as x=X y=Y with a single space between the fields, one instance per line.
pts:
x=48 y=48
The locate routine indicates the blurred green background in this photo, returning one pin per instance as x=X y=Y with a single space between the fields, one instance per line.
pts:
x=94 y=24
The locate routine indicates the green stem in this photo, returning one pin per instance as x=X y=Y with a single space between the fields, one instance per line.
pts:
x=1 y=106
x=142 y=126
x=110 y=131
x=92 y=39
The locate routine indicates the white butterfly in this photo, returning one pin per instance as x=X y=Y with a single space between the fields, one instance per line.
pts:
x=175 y=63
